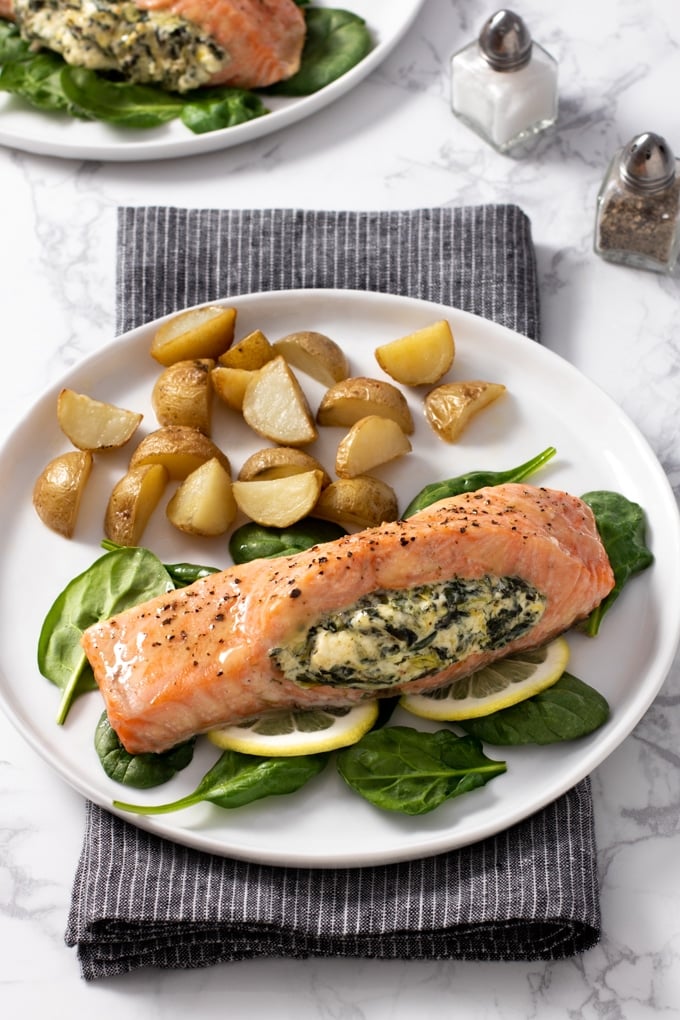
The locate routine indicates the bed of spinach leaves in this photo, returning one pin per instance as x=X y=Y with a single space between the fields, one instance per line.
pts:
x=336 y=41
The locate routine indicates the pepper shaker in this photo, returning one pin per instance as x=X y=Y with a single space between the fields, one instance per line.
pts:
x=638 y=206
x=503 y=84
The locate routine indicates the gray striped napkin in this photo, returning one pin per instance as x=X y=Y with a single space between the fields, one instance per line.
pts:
x=527 y=893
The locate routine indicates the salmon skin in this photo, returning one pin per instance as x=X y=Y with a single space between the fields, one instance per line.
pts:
x=178 y=44
x=405 y=607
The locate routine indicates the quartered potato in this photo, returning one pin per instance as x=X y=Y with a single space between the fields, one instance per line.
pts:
x=351 y=399
x=132 y=501
x=204 y=332
x=276 y=408
x=279 y=502
x=423 y=356
x=315 y=354
x=449 y=407
x=370 y=442
x=230 y=384
x=250 y=353
x=59 y=488
x=204 y=503
x=182 y=394
x=179 y=448
x=93 y=424
x=361 y=502
x=280 y=462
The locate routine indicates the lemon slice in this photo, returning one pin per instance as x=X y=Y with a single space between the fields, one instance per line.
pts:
x=289 y=733
x=498 y=685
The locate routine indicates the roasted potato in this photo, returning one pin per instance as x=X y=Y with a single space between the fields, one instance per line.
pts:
x=93 y=424
x=279 y=502
x=132 y=501
x=182 y=394
x=351 y=399
x=449 y=407
x=179 y=448
x=421 y=357
x=276 y=407
x=59 y=488
x=204 y=332
x=371 y=441
x=280 y=462
x=315 y=354
x=250 y=353
x=361 y=502
x=204 y=504
x=230 y=384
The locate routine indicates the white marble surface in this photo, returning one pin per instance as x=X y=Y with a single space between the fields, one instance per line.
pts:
x=390 y=144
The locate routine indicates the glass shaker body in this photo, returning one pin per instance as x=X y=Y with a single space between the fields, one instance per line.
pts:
x=505 y=107
x=637 y=227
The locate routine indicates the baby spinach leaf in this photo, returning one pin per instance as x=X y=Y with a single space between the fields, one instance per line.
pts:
x=116 y=581
x=181 y=574
x=254 y=541
x=12 y=46
x=139 y=770
x=402 y=769
x=476 y=480
x=237 y=779
x=335 y=42
x=39 y=80
x=119 y=102
x=622 y=527
x=217 y=108
x=567 y=710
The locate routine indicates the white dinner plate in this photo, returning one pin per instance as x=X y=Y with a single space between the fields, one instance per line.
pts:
x=548 y=402
x=51 y=134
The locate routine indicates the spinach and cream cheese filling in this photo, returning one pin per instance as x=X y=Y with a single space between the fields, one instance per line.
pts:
x=143 y=46
x=389 y=638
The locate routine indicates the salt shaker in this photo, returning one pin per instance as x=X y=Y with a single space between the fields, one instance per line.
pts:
x=638 y=206
x=503 y=84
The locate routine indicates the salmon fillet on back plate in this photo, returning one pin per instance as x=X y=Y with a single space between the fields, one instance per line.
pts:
x=407 y=606
x=179 y=44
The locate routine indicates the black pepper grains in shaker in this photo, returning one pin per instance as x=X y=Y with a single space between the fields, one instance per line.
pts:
x=638 y=206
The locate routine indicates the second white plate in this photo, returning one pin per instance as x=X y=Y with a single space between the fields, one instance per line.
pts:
x=31 y=130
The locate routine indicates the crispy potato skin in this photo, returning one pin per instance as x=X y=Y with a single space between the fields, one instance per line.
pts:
x=361 y=502
x=351 y=399
x=449 y=408
x=280 y=462
x=59 y=489
x=315 y=354
x=182 y=394
x=179 y=448
x=132 y=501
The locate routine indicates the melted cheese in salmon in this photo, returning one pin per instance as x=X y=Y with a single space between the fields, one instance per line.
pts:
x=145 y=46
x=393 y=637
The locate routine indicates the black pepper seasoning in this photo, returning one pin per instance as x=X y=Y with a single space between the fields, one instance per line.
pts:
x=638 y=206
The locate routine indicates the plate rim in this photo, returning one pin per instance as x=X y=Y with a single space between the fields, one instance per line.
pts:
x=595 y=754
x=150 y=149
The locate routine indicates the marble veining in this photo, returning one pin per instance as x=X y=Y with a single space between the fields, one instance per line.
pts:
x=392 y=143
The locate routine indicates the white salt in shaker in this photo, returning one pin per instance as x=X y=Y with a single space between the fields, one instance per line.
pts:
x=504 y=85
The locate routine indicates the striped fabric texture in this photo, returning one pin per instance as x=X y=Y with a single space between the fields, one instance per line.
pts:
x=529 y=892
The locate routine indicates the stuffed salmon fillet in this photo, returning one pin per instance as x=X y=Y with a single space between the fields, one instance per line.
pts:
x=178 y=44
x=407 y=606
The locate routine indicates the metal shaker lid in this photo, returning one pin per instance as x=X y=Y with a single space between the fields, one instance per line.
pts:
x=505 y=41
x=647 y=163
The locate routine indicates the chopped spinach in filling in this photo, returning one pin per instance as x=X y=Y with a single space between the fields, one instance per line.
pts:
x=143 y=46
x=392 y=637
